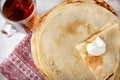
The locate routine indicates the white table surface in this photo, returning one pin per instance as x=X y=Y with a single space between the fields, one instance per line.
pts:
x=8 y=44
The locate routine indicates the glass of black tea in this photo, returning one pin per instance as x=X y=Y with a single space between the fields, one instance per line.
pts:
x=20 y=15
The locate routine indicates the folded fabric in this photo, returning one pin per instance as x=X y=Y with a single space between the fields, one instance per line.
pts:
x=19 y=65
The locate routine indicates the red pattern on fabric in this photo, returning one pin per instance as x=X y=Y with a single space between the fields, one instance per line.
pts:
x=20 y=65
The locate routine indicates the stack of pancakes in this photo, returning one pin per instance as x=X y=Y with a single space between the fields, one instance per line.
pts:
x=69 y=24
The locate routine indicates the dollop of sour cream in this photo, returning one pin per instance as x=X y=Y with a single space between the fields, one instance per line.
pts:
x=97 y=47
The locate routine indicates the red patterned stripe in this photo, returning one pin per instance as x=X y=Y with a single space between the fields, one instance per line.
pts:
x=20 y=65
x=11 y=72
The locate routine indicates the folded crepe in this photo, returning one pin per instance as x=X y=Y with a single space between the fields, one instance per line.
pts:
x=103 y=67
x=53 y=42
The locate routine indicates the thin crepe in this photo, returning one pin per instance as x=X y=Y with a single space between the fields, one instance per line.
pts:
x=103 y=67
x=53 y=43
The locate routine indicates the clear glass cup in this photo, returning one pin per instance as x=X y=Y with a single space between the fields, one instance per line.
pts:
x=20 y=15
